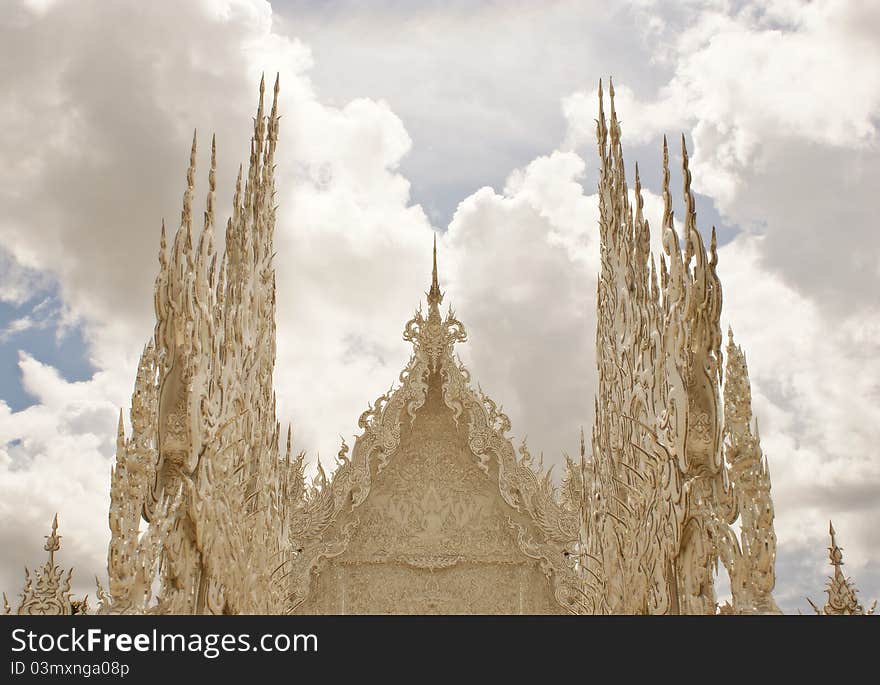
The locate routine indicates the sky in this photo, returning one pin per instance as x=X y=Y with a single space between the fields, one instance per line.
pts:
x=474 y=121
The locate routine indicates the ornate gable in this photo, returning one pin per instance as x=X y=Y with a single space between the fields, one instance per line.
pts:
x=433 y=512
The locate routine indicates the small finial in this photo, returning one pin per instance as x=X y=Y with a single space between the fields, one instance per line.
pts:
x=583 y=446
x=120 y=433
x=834 y=552
x=435 y=297
x=53 y=540
x=212 y=171
x=162 y=247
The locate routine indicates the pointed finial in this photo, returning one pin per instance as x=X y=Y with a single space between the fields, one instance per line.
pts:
x=120 y=433
x=275 y=91
x=435 y=297
x=212 y=184
x=186 y=214
x=583 y=446
x=53 y=540
x=191 y=169
x=667 y=198
x=834 y=552
x=163 y=247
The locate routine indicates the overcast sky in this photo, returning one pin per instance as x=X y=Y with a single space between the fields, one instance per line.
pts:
x=474 y=120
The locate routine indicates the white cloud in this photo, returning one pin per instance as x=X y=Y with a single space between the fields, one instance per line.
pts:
x=522 y=281
x=55 y=456
x=95 y=164
x=817 y=398
x=642 y=120
x=782 y=101
x=15 y=326
x=96 y=156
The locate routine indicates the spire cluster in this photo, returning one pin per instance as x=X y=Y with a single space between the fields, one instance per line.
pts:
x=638 y=526
x=659 y=502
x=203 y=464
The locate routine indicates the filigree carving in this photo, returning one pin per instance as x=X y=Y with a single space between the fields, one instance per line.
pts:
x=657 y=498
x=841 y=590
x=47 y=589
x=202 y=465
x=437 y=483
x=433 y=509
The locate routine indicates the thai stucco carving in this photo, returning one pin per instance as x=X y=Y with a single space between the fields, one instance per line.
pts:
x=433 y=509
x=433 y=493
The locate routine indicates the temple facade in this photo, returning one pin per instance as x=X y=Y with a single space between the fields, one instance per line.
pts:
x=425 y=516
x=433 y=509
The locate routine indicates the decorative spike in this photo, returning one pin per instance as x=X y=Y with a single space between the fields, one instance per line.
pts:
x=713 y=250
x=435 y=297
x=275 y=91
x=602 y=129
x=668 y=216
x=163 y=249
x=209 y=206
x=120 y=434
x=611 y=98
x=186 y=214
x=690 y=210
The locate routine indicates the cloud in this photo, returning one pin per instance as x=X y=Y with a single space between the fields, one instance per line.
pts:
x=477 y=84
x=55 y=456
x=371 y=126
x=817 y=399
x=782 y=101
x=18 y=283
x=95 y=164
x=523 y=280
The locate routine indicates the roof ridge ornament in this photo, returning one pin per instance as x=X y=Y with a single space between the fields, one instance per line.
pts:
x=434 y=337
x=435 y=296
x=47 y=587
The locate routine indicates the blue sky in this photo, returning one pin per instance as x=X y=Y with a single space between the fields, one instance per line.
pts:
x=61 y=347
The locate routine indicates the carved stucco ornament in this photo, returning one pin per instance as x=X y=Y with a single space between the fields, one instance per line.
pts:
x=47 y=588
x=437 y=484
x=433 y=509
x=841 y=591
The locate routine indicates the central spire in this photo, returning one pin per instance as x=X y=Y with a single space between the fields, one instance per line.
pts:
x=435 y=297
